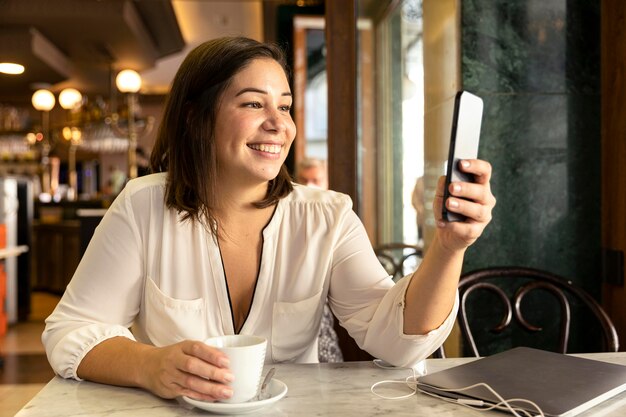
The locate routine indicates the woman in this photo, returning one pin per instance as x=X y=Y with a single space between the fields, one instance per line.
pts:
x=219 y=241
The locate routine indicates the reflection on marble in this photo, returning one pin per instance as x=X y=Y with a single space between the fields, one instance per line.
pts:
x=548 y=206
x=337 y=389
x=536 y=64
x=531 y=46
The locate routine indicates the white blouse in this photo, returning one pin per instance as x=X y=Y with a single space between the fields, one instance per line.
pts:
x=151 y=277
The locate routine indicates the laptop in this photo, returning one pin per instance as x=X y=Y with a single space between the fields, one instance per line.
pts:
x=560 y=385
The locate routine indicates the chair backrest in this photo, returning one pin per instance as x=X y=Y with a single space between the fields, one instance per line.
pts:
x=398 y=259
x=521 y=281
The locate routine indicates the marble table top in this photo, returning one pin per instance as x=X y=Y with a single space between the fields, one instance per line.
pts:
x=341 y=389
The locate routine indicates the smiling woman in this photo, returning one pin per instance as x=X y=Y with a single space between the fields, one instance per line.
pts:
x=219 y=241
x=217 y=75
x=254 y=129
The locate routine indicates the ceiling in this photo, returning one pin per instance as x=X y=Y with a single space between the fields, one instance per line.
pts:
x=83 y=43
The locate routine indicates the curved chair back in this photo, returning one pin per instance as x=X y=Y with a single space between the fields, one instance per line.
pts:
x=563 y=290
x=398 y=259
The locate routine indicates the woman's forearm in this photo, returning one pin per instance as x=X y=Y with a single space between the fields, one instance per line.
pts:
x=116 y=361
x=430 y=295
x=189 y=368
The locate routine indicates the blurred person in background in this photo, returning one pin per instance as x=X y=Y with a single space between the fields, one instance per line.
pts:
x=417 y=201
x=312 y=172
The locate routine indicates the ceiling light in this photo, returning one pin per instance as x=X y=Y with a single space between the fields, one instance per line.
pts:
x=43 y=100
x=70 y=98
x=128 y=81
x=11 y=68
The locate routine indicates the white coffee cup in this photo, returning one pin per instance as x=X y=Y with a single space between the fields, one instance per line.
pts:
x=246 y=354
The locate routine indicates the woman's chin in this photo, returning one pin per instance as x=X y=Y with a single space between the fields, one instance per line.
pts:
x=268 y=175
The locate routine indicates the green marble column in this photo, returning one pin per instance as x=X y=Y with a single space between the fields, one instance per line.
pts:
x=536 y=63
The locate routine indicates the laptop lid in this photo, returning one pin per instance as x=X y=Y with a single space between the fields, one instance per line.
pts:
x=561 y=385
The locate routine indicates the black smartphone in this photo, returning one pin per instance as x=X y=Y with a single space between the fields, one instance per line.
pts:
x=464 y=138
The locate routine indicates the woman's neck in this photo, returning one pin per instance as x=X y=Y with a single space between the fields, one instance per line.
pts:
x=238 y=219
x=233 y=200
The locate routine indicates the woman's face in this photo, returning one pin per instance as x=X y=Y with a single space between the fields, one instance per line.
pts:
x=253 y=127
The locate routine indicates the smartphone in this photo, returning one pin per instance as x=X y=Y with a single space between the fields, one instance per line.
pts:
x=464 y=137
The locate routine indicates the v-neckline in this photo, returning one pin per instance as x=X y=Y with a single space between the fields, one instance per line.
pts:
x=230 y=300
x=265 y=233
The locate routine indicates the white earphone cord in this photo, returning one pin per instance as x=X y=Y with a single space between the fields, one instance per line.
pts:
x=503 y=404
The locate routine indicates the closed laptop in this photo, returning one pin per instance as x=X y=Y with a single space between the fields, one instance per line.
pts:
x=561 y=385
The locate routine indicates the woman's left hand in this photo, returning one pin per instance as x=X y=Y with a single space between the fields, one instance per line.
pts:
x=473 y=200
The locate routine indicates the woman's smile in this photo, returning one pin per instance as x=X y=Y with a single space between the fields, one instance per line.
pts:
x=269 y=148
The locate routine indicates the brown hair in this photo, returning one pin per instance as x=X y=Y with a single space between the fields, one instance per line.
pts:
x=185 y=143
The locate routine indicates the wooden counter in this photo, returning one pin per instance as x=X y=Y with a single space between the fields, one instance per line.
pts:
x=55 y=254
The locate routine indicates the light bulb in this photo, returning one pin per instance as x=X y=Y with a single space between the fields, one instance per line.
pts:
x=128 y=81
x=70 y=98
x=43 y=100
x=67 y=133
x=11 y=68
x=77 y=135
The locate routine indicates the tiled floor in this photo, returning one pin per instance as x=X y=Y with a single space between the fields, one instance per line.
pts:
x=24 y=369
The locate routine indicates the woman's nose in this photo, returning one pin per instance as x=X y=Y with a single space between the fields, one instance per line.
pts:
x=275 y=121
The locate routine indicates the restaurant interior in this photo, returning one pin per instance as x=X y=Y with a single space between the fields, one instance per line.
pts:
x=373 y=84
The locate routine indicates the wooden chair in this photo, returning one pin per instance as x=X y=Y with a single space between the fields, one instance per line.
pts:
x=396 y=258
x=511 y=286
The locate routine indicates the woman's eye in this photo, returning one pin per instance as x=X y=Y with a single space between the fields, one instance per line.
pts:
x=253 y=104
x=284 y=108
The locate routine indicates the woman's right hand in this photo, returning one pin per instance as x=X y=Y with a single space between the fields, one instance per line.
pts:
x=189 y=368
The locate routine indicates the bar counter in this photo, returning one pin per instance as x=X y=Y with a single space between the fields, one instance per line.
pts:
x=341 y=389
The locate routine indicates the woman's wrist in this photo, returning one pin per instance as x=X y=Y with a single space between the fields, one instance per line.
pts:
x=142 y=377
x=446 y=250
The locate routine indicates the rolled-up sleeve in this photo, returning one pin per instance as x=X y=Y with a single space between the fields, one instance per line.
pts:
x=70 y=346
x=407 y=349
x=371 y=307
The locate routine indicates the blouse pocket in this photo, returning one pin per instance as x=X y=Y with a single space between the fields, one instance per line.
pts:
x=295 y=327
x=169 y=320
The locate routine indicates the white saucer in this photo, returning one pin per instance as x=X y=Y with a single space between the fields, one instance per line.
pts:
x=277 y=390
